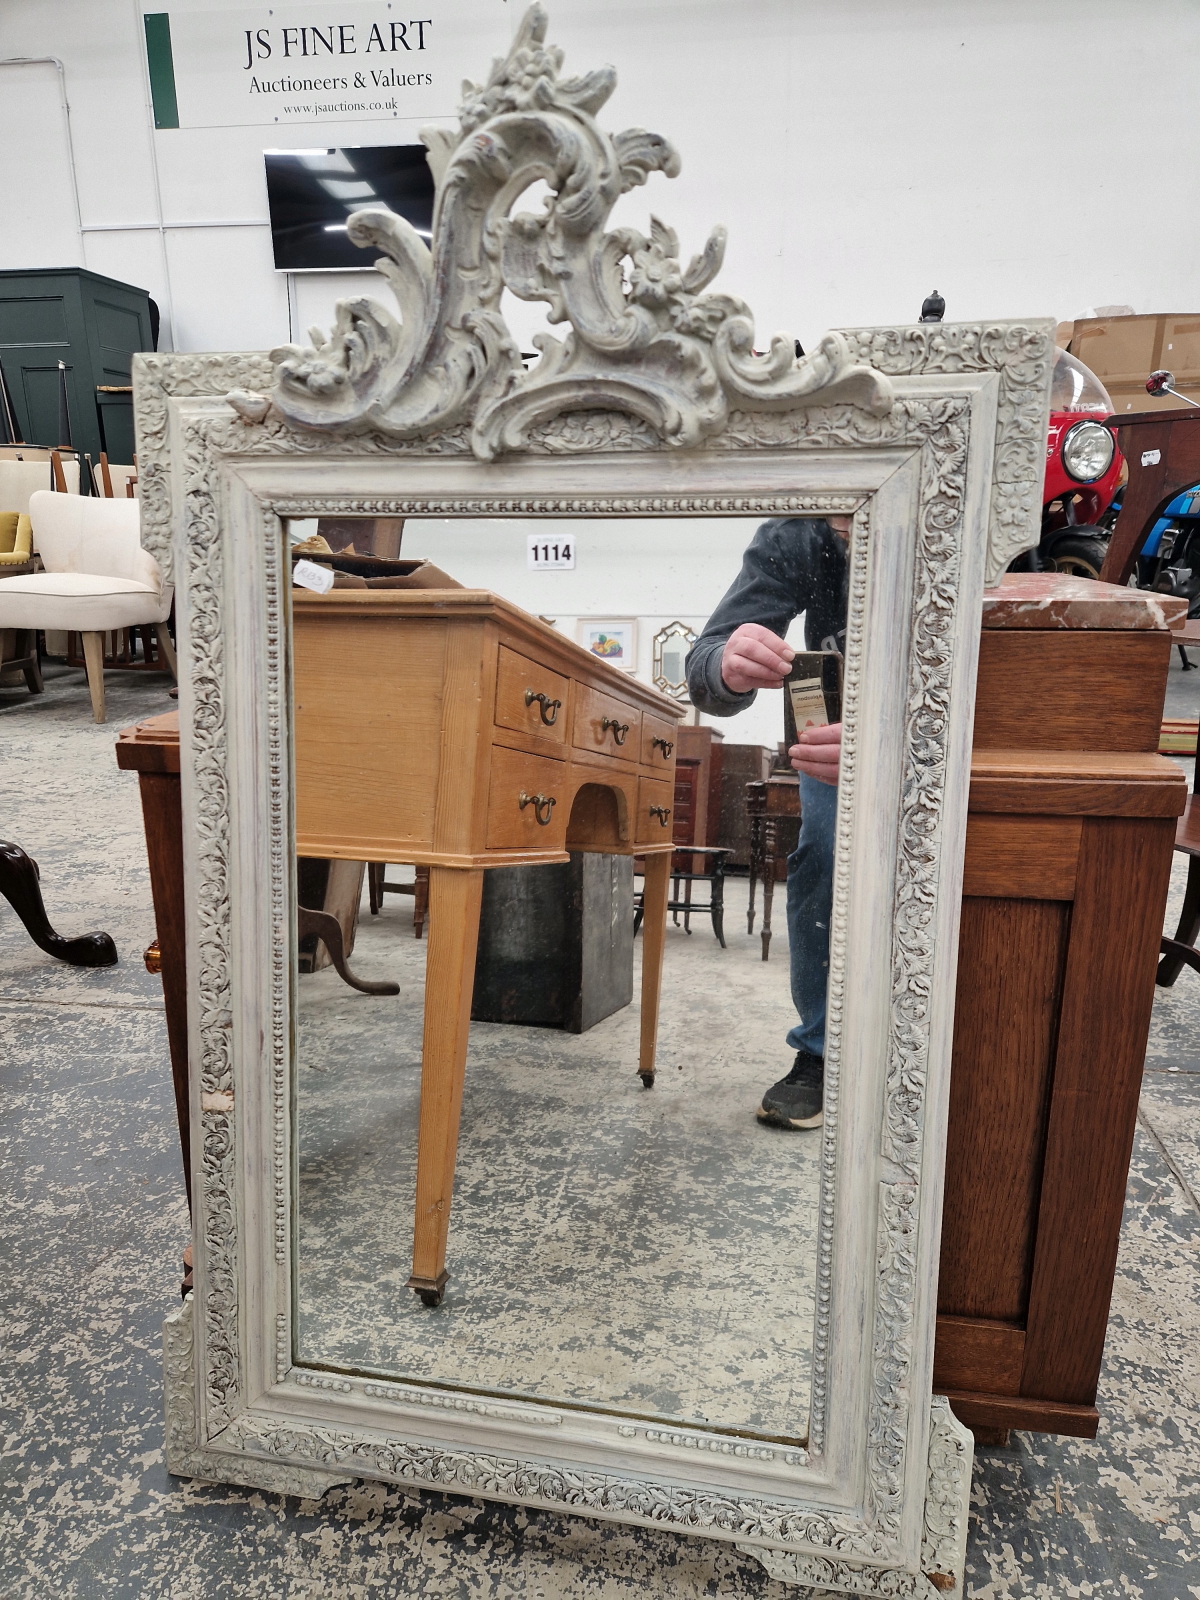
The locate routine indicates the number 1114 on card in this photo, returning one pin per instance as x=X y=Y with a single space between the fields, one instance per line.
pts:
x=544 y=554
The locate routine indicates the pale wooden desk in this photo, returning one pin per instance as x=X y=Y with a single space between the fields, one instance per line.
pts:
x=470 y=735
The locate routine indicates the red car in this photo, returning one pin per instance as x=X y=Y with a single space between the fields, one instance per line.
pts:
x=1084 y=470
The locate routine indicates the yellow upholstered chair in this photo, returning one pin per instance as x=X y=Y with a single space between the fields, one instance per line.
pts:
x=16 y=539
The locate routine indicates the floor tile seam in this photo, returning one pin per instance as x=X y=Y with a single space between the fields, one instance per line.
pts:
x=1172 y=1166
x=91 y=1005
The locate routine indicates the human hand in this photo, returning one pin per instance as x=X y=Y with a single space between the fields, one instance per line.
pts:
x=818 y=751
x=755 y=658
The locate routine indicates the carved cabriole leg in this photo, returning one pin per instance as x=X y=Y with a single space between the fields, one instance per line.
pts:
x=93 y=655
x=454 y=901
x=20 y=887
x=654 y=938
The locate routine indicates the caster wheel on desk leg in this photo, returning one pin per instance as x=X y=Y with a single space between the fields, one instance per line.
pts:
x=647 y=1079
x=429 y=1291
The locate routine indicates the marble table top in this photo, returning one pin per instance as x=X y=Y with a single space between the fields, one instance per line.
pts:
x=1062 y=600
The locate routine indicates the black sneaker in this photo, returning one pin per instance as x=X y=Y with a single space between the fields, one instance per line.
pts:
x=796 y=1101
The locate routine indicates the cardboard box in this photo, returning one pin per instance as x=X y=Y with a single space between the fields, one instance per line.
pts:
x=1124 y=351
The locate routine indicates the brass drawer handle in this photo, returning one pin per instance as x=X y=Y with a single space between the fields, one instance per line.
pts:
x=663 y=813
x=619 y=729
x=543 y=805
x=666 y=746
x=549 y=708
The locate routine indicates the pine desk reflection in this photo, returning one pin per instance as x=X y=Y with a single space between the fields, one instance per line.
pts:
x=483 y=738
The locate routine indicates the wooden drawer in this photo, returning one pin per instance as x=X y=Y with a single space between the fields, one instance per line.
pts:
x=513 y=826
x=518 y=680
x=652 y=826
x=593 y=727
x=655 y=733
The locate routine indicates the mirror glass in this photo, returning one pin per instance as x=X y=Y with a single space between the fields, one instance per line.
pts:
x=651 y=1254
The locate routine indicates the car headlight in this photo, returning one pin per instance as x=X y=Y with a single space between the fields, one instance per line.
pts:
x=1087 y=451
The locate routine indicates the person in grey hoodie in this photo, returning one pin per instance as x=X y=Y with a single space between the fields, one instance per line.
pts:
x=794 y=566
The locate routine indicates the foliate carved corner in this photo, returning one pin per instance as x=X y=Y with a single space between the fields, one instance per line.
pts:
x=186 y=1457
x=180 y=1388
x=943 y=1536
x=1022 y=354
x=947 y=1499
x=645 y=338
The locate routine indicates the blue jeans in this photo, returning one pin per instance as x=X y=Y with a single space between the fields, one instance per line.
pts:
x=809 y=900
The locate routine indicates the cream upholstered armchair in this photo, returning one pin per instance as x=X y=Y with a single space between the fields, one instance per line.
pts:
x=19 y=480
x=97 y=579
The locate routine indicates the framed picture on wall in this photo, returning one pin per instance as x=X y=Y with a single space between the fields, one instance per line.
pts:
x=613 y=639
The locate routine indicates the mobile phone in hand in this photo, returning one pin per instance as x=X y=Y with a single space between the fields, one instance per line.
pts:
x=812 y=692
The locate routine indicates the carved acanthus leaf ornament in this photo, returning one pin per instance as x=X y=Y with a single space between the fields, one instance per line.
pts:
x=645 y=339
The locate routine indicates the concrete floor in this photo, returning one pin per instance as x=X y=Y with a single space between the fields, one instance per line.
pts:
x=650 y=1253
x=92 y=1220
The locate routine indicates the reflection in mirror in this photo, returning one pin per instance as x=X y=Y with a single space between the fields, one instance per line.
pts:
x=651 y=1254
x=671 y=647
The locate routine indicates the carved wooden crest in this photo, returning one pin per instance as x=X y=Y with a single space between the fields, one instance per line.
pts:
x=645 y=338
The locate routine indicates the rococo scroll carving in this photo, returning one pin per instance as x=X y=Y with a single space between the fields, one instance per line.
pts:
x=646 y=339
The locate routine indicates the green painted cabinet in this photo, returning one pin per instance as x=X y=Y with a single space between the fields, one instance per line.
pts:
x=94 y=325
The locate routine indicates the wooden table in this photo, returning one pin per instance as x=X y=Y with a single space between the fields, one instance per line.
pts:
x=487 y=739
x=1069 y=839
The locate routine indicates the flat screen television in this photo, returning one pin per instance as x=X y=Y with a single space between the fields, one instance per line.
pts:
x=312 y=192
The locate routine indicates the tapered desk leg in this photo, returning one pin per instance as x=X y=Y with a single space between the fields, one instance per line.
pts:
x=654 y=937
x=454 y=900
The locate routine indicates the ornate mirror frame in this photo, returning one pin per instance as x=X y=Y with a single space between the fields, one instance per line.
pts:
x=655 y=405
x=676 y=688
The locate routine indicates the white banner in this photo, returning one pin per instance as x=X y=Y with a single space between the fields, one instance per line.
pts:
x=331 y=61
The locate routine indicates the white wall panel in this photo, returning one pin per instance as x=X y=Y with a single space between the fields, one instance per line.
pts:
x=39 y=224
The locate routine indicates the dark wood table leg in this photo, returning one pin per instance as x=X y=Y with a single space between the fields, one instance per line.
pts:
x=755 y=866
x=768 y=870
x=1185 y=934
x=717 y=899
x=163 y=821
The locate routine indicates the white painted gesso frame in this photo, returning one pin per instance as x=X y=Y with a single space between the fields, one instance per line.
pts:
x=932 y=436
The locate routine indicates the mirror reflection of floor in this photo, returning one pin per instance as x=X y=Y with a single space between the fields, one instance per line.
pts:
x=646 y=1251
